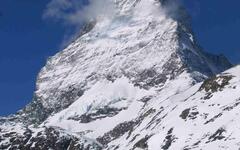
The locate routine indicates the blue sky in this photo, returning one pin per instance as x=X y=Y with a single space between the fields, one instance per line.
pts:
x=26 y=41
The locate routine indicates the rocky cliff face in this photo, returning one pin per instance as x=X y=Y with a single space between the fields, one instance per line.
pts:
x=135 y=80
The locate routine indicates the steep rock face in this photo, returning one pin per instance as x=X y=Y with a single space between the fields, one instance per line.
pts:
x=141 y=42
x=201 y=117
x=124 y=84
x=45 y=138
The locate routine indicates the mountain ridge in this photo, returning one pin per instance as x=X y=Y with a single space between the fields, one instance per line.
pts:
x=114 y=87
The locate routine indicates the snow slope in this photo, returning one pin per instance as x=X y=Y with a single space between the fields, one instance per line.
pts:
x=135 y=80
x=148 y=48
x=200 y=117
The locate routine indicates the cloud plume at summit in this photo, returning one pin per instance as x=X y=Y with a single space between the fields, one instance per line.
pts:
x=75 y=12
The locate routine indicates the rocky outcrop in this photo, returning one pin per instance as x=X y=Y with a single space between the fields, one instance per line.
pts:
x=133 y=81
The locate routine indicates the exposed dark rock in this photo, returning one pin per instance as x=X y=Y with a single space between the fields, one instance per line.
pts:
x=153 y=78
x=150 y=78
x=207 y=96
x=58 y=87
x=48 y=138
x=155 y=119
x=185 y=113
x=216 y=83
x=142 y=143
x=218 y=135
x=186 y=148
x=34 y=113
x=190 y=113
x=123 y=128
x=99 y=114
x=193 y=115
x=134 y=138
x=118 y=131
x=214 y=118
x=146 y=114
x=197 y=143
x=146 y=99
x=230 y=107
x=169 y=139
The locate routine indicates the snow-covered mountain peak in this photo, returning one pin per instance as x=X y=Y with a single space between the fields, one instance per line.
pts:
x=122 y=84
x=144 y=45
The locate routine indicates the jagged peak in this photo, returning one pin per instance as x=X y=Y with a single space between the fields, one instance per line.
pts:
x=117 y=48
x=126 y=81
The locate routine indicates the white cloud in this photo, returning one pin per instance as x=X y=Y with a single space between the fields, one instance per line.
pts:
x=73 y=12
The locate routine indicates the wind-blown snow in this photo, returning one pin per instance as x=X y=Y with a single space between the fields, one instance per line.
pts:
x=132 y=81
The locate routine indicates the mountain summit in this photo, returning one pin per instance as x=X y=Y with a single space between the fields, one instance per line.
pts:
x=134 y=79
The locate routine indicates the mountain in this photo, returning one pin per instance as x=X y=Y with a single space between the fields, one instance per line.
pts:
x=135 y=80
